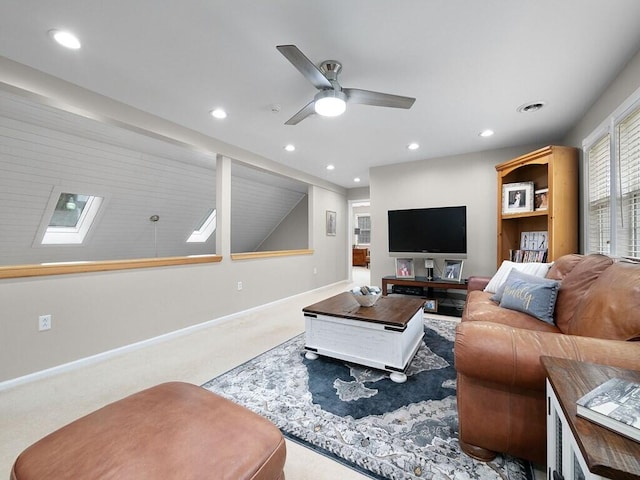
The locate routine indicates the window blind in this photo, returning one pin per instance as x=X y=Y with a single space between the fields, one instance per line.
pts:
x=628 y=195
x=364 y=224
x=599 y=215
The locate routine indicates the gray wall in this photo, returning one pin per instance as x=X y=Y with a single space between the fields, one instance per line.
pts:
x=292 y=233
x=624 y=85
x=97 y=312
x=468 y=179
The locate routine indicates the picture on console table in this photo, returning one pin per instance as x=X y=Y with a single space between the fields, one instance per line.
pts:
x=404 y=268
x=431 y=305
x=517 y=197
x=452 y=270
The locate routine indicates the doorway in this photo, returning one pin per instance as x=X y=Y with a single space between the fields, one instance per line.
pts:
x=360 y=241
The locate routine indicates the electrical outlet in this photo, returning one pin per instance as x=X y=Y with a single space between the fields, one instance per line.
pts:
x=315 y=271
x=44 y=322
x=239 y=285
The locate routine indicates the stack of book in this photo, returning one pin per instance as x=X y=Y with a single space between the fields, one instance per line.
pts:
x=523 y=256
x=614 y=405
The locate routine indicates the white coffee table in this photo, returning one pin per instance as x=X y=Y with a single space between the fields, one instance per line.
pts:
x=385 y=336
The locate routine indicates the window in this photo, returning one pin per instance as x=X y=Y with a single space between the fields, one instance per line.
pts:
x=71 y=219
x=613 y=170
x=364 y=229
x=206 y=228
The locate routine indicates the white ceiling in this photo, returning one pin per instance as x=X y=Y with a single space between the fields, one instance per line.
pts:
x=469 y=63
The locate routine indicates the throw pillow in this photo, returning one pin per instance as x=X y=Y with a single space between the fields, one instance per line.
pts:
x=530 y=294
x=537 y=269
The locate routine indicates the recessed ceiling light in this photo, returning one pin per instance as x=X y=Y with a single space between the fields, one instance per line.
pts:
x=330 y=167
x=289 y=148
x=486 y=133
x=218 y=113
x=530 y=107
x=413 y=146
x=66 y=39
x=357 y=179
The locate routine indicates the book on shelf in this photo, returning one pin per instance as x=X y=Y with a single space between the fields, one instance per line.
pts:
x=527 y=256
x=614 y=405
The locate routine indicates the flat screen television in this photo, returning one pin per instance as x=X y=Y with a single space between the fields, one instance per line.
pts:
x=428 y=232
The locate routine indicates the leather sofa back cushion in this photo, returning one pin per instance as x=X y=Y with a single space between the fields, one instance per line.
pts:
x=611 y=307
x=563 y=265
x=575 y=285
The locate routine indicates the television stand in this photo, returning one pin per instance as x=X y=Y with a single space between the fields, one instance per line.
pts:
x=422 y=282
x=425 y=288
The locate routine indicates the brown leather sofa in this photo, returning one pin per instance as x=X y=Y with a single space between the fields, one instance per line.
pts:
x=501 y=382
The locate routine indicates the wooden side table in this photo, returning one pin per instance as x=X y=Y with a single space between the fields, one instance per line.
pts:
x=576 y=447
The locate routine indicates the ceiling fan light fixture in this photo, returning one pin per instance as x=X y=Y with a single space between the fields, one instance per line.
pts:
x=330 y=103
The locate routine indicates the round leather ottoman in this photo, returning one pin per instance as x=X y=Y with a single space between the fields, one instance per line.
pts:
x=171 y=431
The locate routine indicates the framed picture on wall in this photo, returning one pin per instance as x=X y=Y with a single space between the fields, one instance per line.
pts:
x=331 y=223
x=404 y=268
x=517 y=197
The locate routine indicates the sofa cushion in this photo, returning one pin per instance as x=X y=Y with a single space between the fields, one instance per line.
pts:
x=563 y=265
x=530 y=294
x=480 y=307
x=575 y=285
x=537 y=269
x=611 y=307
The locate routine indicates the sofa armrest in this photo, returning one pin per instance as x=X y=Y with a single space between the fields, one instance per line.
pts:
x=511 y=356
x=477 y=283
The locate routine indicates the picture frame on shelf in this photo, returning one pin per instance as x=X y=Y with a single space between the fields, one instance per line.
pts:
x=452 y=270
x=517 y=197
x=431 y=305
x=405 y=268
x=534 y=240
x=541 y=199
x=331 y=223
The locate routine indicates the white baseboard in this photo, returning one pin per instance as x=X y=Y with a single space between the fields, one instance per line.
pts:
x=100 y=357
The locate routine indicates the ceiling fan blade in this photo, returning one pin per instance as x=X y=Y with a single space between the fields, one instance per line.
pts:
x=367 y=97
x=308 y=109
x=305 y=66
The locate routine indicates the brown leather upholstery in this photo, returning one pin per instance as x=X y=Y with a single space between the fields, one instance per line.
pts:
x=171 y=431
x=501 y=382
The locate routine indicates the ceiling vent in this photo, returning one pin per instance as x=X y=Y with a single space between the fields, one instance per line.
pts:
x=530 y=107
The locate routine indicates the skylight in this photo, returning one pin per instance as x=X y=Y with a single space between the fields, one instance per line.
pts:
x=71 y=219
x=206 y=228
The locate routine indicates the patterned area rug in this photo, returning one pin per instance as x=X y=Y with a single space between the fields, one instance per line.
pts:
x=359 y=417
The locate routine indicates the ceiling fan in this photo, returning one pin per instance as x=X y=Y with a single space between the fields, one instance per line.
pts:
x=331 y=100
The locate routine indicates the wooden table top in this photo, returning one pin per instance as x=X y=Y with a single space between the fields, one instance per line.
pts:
x=606 y=453
x=395 y=311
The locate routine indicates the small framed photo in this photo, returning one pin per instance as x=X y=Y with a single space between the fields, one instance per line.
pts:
x=541 y=199
x=453 y=270
x=404 y=268
x=517 y=197
x=431 y=305
x=331 y=223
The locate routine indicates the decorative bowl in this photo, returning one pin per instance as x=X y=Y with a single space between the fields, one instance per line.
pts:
x=367 y=300
x=366 y=296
